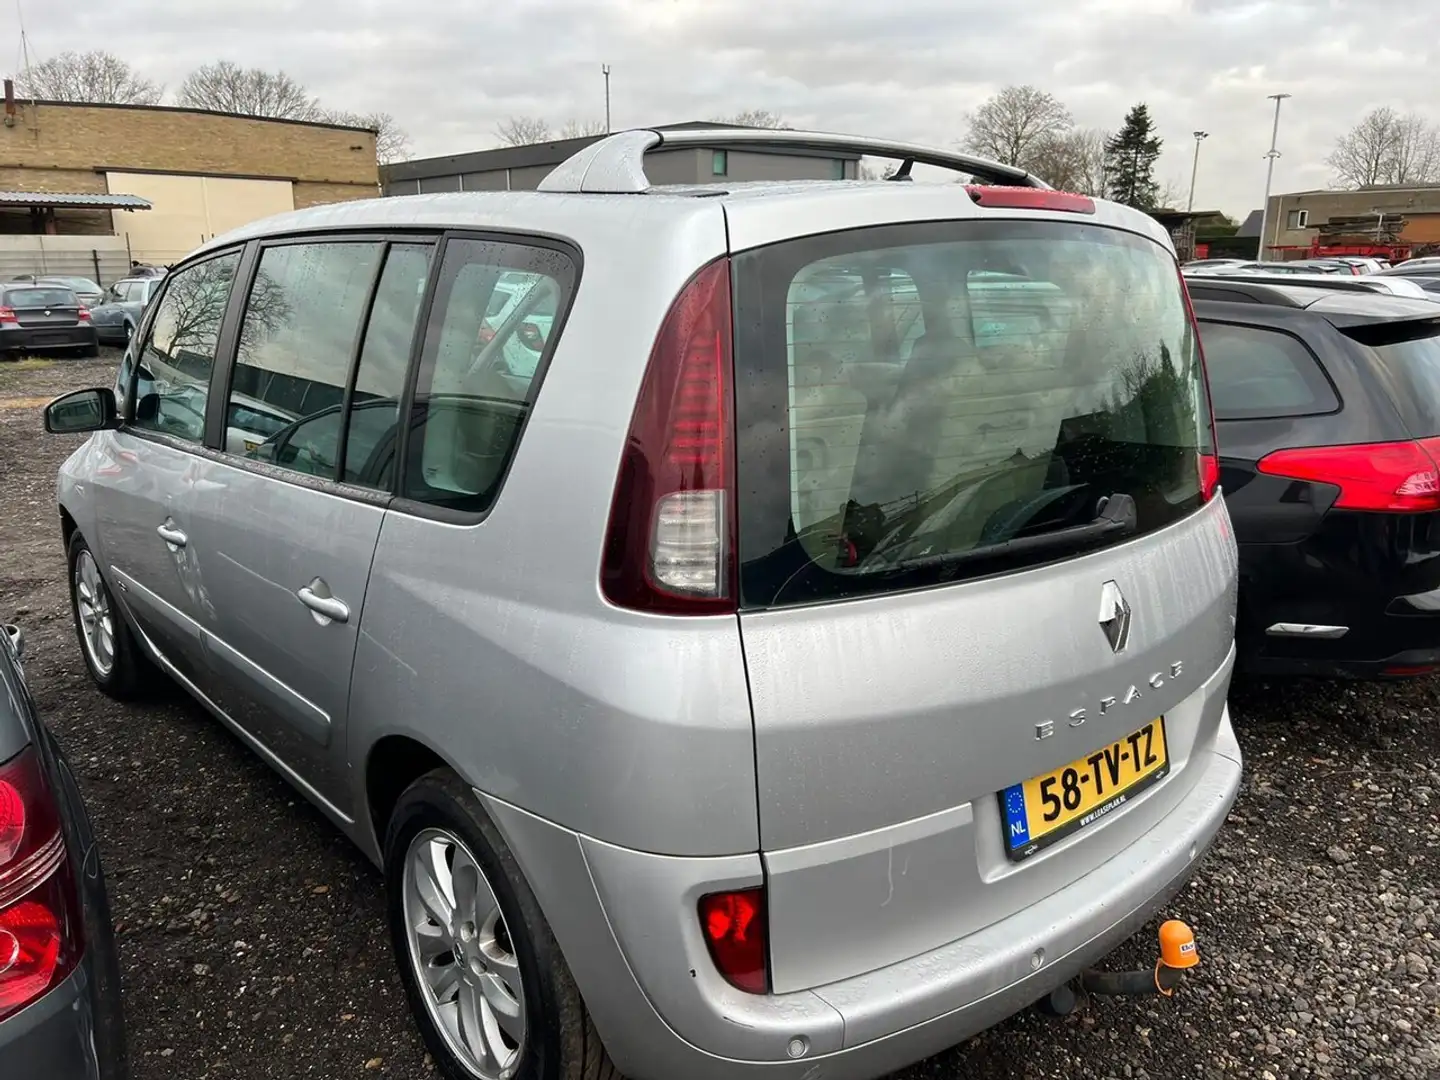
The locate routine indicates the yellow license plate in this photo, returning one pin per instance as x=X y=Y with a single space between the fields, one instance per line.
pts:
x=1047 y=808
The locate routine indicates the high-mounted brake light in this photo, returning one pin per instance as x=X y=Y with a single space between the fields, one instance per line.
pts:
x=40 y=938
x=1024 y=198
x=1400 y=477
x=670 y=546
x=734 y=927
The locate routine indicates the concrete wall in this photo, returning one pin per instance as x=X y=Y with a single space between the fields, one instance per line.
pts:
x=1420 y=206
x=99 y=258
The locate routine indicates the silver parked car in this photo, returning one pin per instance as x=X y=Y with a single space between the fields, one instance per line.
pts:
x=810 y=648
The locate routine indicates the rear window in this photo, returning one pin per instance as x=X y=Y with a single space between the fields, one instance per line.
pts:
x=40 y=298
x=1408 y=362
x=1256 y=373
x=927 y=403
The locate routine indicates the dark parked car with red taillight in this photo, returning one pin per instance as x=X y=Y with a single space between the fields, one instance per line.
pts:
x=1327 y=410
x=59 y=980
x=44 y=318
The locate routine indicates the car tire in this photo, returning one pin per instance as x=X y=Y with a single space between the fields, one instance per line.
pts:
x=439 y=823
x=121 y=671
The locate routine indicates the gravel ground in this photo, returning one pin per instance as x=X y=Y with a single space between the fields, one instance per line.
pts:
x=253 y=941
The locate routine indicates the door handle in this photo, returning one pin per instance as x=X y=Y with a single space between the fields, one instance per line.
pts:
x=327 y=609
x=172 y=535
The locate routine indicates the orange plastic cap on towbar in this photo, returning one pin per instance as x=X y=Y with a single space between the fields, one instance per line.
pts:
x=1177 y=945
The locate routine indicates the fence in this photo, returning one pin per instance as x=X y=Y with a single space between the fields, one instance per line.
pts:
x=102 y=265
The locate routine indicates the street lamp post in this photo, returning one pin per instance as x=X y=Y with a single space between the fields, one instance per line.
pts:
x=1270 y=175
x=605 y=70
x=1200 y=136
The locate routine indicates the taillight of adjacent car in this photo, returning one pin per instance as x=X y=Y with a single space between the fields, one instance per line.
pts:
x=40 y=922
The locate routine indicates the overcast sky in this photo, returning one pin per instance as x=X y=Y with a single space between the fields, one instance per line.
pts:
x=908 y=69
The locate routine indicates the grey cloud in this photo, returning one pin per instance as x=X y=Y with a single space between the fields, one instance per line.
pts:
x=909 y=68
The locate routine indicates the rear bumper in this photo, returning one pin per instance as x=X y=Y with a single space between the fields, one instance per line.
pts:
x=55 y=1038
x=626 y=921
x=27 y=339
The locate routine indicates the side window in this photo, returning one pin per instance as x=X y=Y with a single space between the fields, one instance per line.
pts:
x=1262 y=373
x=298 y=335
x=384 y=361
x=120 y=290
x=171 y=382
x=477 y=377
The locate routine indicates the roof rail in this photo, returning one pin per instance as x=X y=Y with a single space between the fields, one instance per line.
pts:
x=615 y=164
x=1336 y=282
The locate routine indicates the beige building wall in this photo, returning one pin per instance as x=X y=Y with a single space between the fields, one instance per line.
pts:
x=189 y=210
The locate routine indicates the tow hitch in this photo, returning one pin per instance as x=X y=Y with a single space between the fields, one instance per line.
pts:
x=1177 y=955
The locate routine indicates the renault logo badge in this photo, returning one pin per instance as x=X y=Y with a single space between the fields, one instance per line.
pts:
x=1114 y=616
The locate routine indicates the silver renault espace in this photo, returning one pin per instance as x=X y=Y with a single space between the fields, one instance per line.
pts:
x=772 y=629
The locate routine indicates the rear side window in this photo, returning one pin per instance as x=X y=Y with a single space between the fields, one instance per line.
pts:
x=1407 y=359
x=1257 y=373
x=479 y=373
x=927 y=403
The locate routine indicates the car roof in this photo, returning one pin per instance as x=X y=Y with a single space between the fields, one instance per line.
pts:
x=1343 y=307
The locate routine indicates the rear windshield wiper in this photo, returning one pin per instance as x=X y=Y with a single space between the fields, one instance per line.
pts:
x=1117 y=517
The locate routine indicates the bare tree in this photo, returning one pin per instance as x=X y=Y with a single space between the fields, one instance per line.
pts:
x=392 y=143
x=1387 y=147
x=522 y=130
x=1172 y=195
x=91 y=76
x=755 y=118
x=227 y=87
x=874 y=170
x=1009 y=125
x=578 y=129
x=1415 y=151
x=1070 y=160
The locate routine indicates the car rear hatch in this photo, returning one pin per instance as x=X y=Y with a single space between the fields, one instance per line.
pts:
x=986 y=594
x=43 y=308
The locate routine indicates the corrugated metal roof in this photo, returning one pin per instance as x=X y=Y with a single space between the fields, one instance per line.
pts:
x=73 y=200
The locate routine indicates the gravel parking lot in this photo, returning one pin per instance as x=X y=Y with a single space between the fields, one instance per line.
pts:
x=253 y=941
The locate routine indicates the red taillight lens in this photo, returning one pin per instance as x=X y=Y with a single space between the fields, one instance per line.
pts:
x=84 y=314
x=1400 y=476
x=670 y=546
x=40 y=939
x=487 y=333
x=1209 y=463
x=7 y=314
x=734 y=926
x=1024 y=198
x=1209 y=476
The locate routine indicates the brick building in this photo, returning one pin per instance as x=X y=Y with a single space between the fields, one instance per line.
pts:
x=1403 y=213
x=94 y=186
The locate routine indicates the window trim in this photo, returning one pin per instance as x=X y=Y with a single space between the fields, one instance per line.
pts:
x=722 y=159
x=141 y=338
x=1301 y=217
x=430 y=320
x=1269 y=329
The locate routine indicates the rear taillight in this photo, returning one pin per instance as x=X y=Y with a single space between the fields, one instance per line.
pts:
x=40 y=938
x=1209 y=459
x=7 y=314
x=670 y=546
x=734 y=927
x=84 y=314
x=1024 y=198
x=1399 y=476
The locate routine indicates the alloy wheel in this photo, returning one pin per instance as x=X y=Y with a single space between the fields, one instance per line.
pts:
x=464 y=961
x=92 y=604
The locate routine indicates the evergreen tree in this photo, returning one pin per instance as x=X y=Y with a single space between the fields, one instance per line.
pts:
x=1130 y=157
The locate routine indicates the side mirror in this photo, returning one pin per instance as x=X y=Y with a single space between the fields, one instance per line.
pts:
x=17 y=640
x=531 y=336
x=82 y=411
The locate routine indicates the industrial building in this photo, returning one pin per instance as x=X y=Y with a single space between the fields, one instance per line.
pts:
x=1397 y=216
x=521 y=168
